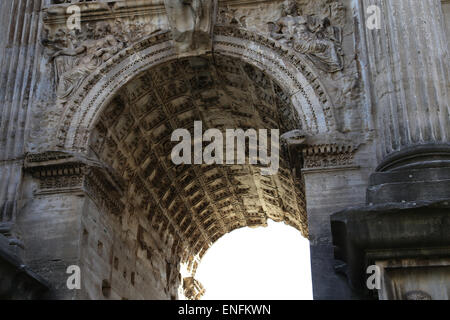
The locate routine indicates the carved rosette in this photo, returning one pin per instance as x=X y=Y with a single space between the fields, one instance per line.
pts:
x=58 y=172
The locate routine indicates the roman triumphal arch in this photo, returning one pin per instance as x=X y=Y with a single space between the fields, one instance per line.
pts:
x=94 y=91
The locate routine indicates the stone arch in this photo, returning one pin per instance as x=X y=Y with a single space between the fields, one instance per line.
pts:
x=197 y=204
x=297 y=80
x=296 y=75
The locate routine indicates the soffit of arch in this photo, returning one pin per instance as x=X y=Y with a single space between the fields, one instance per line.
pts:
x=216 y=200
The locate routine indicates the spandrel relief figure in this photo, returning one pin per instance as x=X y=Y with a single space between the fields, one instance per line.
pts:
x=310 y=35
x=88 y=53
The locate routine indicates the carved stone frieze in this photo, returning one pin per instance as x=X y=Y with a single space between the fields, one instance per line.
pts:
x=417 y=295
x=58 y=172
x=311 y=35
x=46 y=157
x=106 y=194
x=328 y=156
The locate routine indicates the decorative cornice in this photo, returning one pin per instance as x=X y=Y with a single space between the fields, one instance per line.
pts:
x=59 y=172
x=328 y=156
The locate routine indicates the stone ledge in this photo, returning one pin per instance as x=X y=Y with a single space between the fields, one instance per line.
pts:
x=413 y=230
x=61 y=173
x=17 y=281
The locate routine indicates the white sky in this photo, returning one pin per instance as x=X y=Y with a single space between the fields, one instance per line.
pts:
x=255 y=264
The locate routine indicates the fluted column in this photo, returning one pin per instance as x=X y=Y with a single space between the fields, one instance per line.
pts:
x=19 y=52
x=409 y=72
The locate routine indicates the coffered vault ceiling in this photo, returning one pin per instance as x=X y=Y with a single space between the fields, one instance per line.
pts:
x=192 y=206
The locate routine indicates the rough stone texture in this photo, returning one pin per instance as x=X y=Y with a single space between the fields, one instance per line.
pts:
x=446 y=13
x=192 y=24
x=87 y=116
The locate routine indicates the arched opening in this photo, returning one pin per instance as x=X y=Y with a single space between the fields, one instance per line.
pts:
x=269 y=263
x=176 y=212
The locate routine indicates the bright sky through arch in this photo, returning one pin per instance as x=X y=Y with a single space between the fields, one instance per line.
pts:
x=258 y=264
